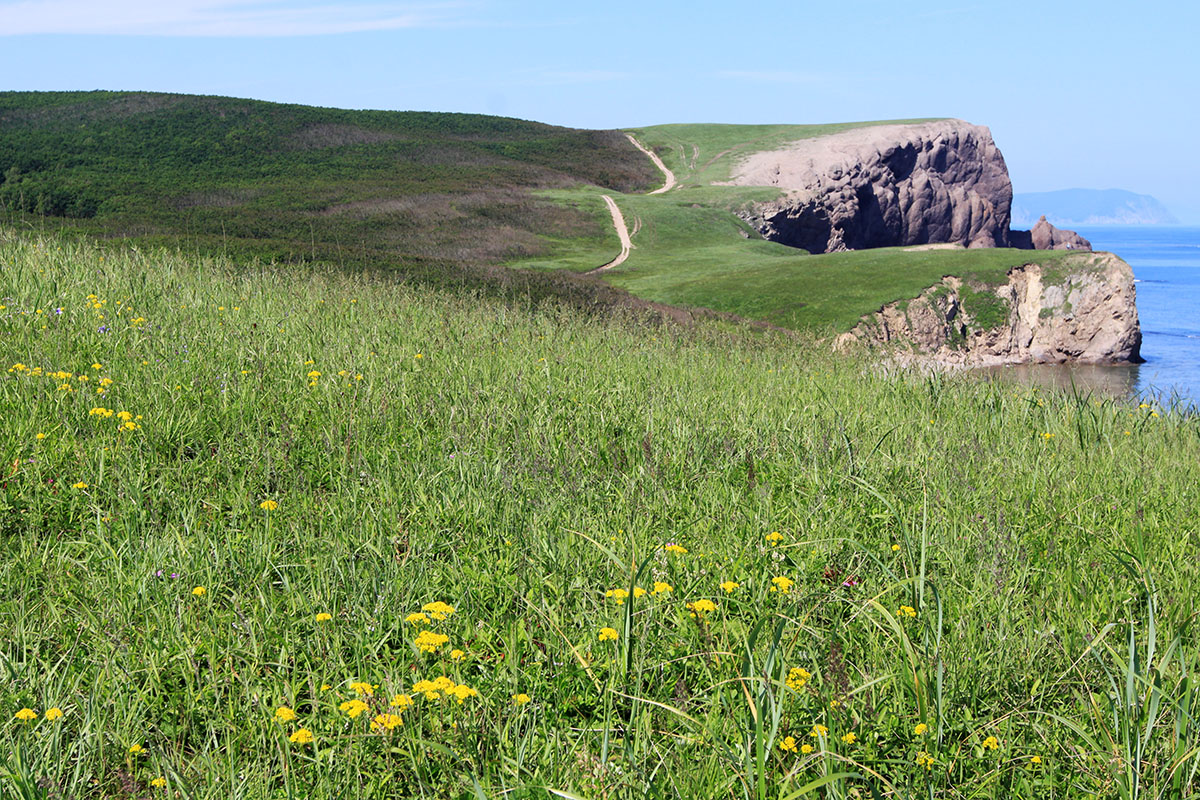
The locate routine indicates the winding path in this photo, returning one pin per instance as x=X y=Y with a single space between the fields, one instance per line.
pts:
x=618 y=220
x=658 y=162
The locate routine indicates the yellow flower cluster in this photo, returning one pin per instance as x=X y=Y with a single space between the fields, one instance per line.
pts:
x=617 y=594
x=353 y=707
x=729 y=586
x=364 y=688
x=676 y=549
x=701 y=607
x=906 y=611
x=797 y=678
x=386 y=722
x=438 y=610
x=782 y=584
x=608 y=634
x=429 y=642
x=443 y=686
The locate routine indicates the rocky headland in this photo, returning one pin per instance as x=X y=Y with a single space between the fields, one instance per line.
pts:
x=1080 y=309
x=945 y=183
x=891 y=186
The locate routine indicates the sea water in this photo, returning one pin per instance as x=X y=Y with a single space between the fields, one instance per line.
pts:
x=1166 y=269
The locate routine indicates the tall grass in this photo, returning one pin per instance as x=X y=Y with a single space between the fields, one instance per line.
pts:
x=989 y=588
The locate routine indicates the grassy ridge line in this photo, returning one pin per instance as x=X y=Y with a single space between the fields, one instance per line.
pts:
x=288 y=182
x=701 y=153
x=522 y=467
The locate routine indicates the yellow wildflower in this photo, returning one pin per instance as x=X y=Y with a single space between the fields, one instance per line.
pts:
x=991 y=743
x=417 y=618
x=457 y=655
x=324 y=617
x=818 y=730
x=353 y=707
x=921 y=729
x=429 y=642
x=402 y=701
x=159 y=782
x=788 y=744
x=850 y=738
x=363 y=688
x=438 y=610
x=924 y=760
x=701 y=607
x=797 y=678
x=639 y=592
x=806 y=748
x=26 y=715
x=41 y=436
x=136 y=749
x=284 y=714
x=305 y=736
x=895 y=548
x=729 y=586
x=608 y=634
x=386 y=722
x=199 y=591
x=782 y=584
x=906 y=611
x=661 y=588
x=268 y=505
x=617 y=594
x=79 y=485
x=521 y=699
x=1035 y=760
x=461 y=692
x=54 y=713
x=676 y=549
x=774 y=537
x=124 y=416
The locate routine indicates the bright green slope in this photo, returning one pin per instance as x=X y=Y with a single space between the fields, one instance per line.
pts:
x=691 y=251
x=903 y=551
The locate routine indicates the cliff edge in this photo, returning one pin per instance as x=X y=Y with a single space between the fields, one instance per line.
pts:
x=942 y=182
x=1080 y=309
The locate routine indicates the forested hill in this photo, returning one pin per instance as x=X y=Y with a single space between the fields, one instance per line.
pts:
x=288 y=181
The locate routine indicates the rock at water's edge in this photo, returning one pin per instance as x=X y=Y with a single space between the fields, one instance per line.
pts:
x=1081 y=310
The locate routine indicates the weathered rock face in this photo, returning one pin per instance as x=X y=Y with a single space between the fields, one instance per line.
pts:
x=1080 y=309
x=1047 y=237
x=884 y=186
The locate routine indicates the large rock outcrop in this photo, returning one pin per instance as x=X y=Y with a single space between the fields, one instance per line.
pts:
x=890 y=186
x=884 y=186
x=1078 y=309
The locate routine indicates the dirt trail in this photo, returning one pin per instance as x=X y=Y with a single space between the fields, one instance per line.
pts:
x=618 y=220
x=670 y=176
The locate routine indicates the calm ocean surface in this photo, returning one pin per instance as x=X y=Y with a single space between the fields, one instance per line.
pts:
x=1166 y=266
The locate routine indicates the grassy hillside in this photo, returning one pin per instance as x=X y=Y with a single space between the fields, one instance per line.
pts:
x=690 y=251
x=680 y=563
x=442 y=198
x=424 y=192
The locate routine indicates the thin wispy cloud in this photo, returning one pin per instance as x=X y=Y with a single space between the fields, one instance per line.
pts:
x=217 y=17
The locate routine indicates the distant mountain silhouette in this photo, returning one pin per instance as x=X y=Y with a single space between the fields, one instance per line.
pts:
x=1089 y=207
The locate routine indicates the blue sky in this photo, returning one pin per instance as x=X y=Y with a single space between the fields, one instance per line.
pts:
x=1094 y=94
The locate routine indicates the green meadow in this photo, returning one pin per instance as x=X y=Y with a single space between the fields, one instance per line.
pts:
x=276 y=531
x=691 y=251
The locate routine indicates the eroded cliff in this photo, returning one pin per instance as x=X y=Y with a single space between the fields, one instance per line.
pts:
x=1079 y=309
